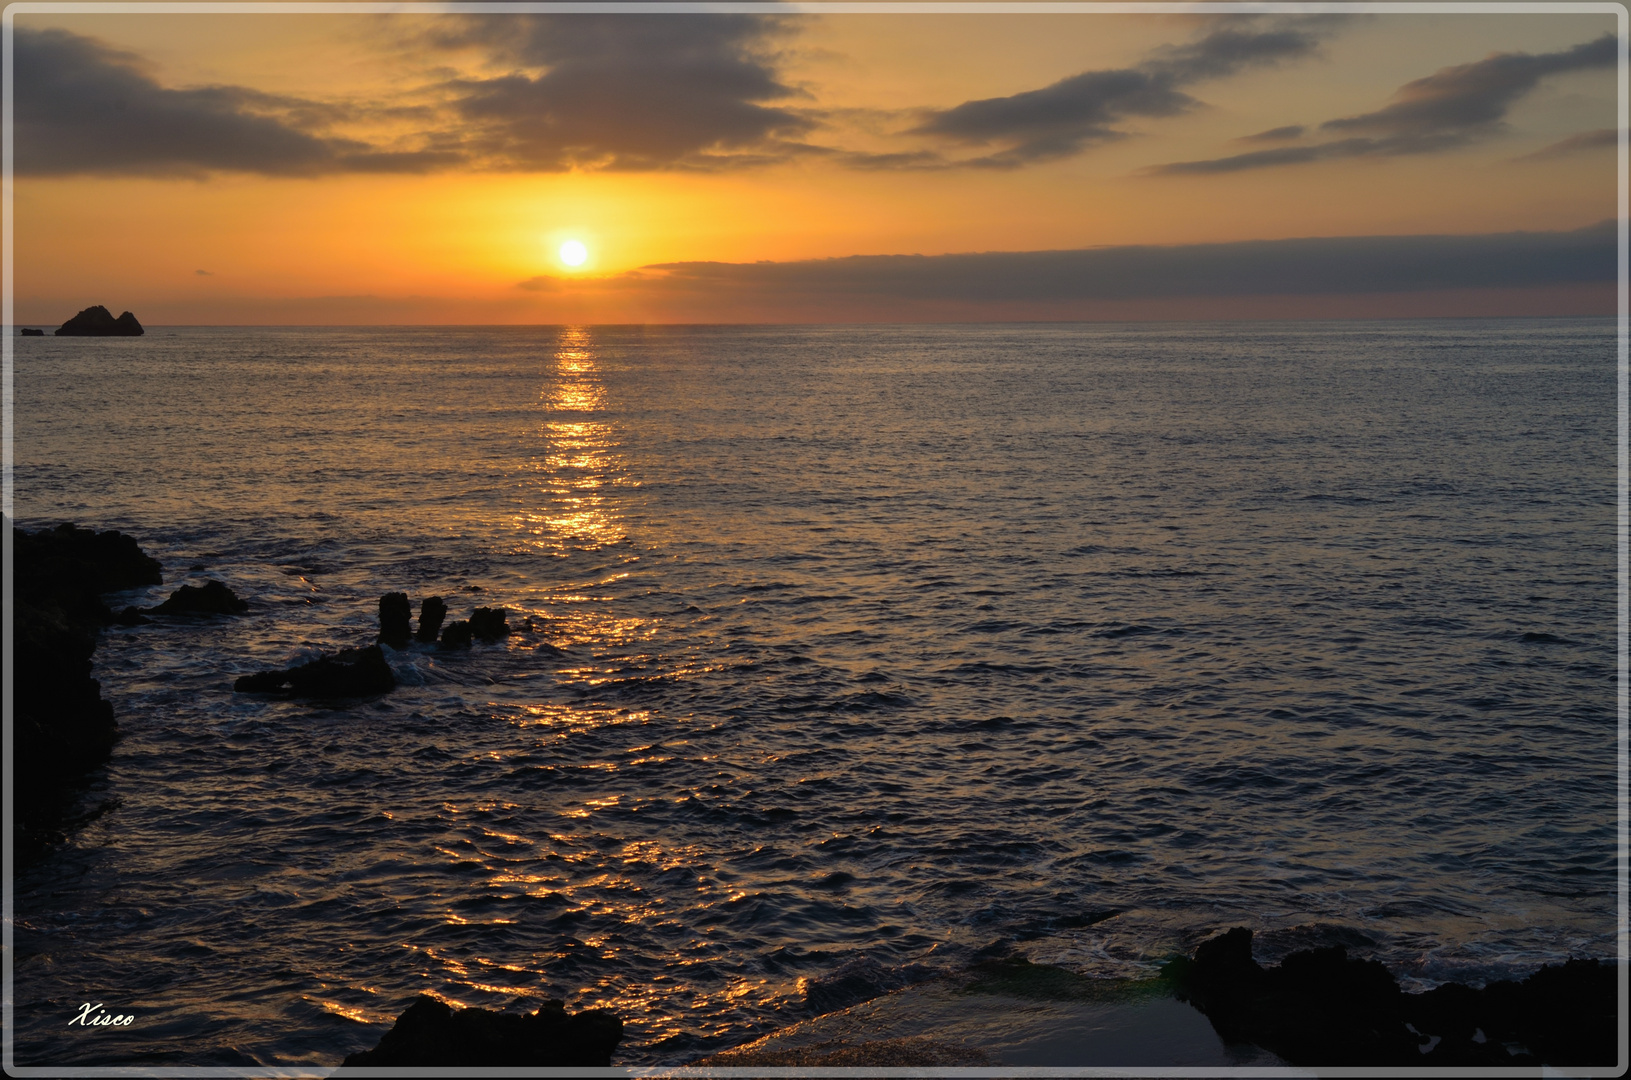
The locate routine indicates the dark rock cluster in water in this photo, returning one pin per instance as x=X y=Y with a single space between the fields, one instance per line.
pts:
x=431 y=1034
x=484 y=624
x=365 y=672
x=62 y=727
x=98 y=321
x=1322 y=1007
x=29 y=331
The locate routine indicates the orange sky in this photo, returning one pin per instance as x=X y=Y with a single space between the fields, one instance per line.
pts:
x=240 y=168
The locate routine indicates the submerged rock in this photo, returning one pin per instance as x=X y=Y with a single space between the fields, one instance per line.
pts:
x=98 y=321
x=430 y=1034
x=394 y=615
x=348 y=673
x=1322 y=1007
x=210 y=598
x=490 y=624
x=457 y=635
x=431 y=613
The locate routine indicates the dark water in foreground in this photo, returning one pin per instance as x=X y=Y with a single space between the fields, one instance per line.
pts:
x=859 y=646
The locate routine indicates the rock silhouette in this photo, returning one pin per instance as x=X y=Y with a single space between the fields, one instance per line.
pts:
x=98 y=321
x=394 y=615
x=348 y=673
x=457 y=635
x=431 y=613
x=62 y=727
x=490 y=624
x=210 y=598
x=429 y=1034
x=1322 y=1007
x=30 y=332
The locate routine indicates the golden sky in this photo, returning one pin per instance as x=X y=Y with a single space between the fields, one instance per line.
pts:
x=426 y=168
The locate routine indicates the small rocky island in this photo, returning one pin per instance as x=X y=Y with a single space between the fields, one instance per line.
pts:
x=98 y=321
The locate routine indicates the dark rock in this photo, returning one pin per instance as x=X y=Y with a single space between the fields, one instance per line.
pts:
x=98 y=321
x=490 y=624
x=395 y=614
x=457 y=635
x=131 y=616
x=430 y=1034
x=30 y=332
x=431 y=613
x=70 y=561
x=210 y=598
x=61 y=726
x=348 y=673
x=1322 y=1007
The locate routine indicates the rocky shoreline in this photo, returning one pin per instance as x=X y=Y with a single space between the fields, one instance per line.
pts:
x=1318 y=1007
x=62 y=727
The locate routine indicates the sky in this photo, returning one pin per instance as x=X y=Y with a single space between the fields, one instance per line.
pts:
x=426 y=168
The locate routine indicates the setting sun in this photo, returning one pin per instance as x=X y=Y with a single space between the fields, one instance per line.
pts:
x=573 y=253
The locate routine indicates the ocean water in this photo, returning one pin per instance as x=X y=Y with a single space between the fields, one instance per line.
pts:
x=845 y=653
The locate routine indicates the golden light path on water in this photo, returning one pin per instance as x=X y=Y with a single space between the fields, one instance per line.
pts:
x=579 y=465
x=578 y=475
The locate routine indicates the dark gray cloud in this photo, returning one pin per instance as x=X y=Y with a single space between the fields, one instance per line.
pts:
x=81 y=107
x=1068 y=116
x=627 y=91
x=1449 y=108
x=1301 y=267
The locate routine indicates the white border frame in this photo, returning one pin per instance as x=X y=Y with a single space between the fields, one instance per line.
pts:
x=804 y=7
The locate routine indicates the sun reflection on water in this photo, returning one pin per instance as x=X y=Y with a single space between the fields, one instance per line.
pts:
x=579 y=461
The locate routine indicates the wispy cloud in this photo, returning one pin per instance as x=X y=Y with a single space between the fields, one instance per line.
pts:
x=1450 y=108
x=1279 y=134
x=1066 y=117
x=1574 y=144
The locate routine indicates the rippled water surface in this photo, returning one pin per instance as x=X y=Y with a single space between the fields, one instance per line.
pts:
x=853 y=651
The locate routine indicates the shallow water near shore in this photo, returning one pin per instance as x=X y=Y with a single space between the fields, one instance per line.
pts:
x=856 y=651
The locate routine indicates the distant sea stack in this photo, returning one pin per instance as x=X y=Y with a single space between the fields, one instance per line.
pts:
x=98 y=321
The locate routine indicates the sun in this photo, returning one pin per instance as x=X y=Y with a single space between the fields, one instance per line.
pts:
x=573 y=253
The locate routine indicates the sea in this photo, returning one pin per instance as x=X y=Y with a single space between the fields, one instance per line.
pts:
x=843 y=656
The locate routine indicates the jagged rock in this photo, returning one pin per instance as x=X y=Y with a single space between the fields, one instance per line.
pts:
x=490 y=624
x=62 y=727
x=98 y=321
x=30 y=332
x=348 y=673
x=430 y=1034
x=210 y=598
x=1322 y=1007
x=456 y=636
x=394 y=616
x=432 y=610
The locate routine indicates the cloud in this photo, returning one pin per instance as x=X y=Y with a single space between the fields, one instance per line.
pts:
x=82 y=107
x=1298 y=267
x=1586 y=140
x=1279 y=134
x=627 y=92
x=1067 y=117
x=1450 y=108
